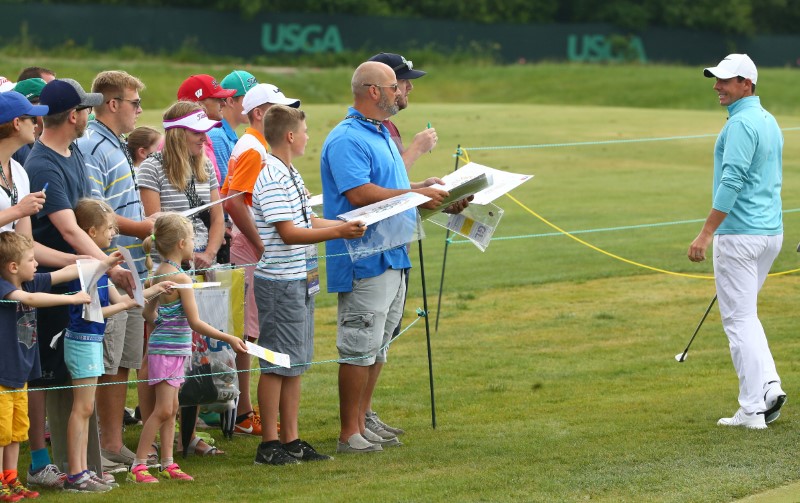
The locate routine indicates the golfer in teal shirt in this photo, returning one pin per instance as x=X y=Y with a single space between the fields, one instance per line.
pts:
x=747 y=230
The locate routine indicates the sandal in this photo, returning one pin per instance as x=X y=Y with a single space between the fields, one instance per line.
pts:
x=152 y=457
x=209 y=450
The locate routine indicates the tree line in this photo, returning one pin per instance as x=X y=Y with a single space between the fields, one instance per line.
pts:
x=730 y=17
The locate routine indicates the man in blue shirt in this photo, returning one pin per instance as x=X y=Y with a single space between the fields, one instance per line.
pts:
x=746 y=227
x=360 y=165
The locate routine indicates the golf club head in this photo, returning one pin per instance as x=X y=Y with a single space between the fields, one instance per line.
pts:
x=681 y=357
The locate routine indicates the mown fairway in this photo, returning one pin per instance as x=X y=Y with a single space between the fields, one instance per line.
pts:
x=555 y=376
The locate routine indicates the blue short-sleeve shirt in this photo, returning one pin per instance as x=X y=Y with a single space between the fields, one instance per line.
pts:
x=355 y=153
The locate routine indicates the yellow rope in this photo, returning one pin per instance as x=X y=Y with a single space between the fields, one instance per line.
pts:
x=609 y=254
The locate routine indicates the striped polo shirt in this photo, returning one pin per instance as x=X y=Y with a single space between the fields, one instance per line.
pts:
x=278 y=196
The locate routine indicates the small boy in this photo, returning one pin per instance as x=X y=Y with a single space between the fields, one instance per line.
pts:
x=19 y=357
x=286 y=280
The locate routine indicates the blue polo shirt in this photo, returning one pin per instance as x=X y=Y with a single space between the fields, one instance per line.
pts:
x=113 y=180
x=748 y=171
x=356 y=153
x=224 y=139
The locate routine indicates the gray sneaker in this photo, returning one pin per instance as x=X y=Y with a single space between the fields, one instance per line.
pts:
x=377 y=439
x=124 y=456
x=112 y=466
x=357 y=444
x=377 y=429
x=85 y=484
x=104 y=478
x=49 y=477
x=391 y=429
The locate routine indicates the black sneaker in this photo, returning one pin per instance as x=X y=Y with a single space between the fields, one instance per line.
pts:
x=273 y=455
x=304 y=452
x=128 y=419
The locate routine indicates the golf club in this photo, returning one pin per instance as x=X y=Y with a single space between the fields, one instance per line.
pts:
x=681 y=357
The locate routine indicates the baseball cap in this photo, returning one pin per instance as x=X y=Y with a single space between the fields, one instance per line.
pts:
x=196 y=121
x=63 y=94
x=266 y=93
x=200 y=87
x=30 y=88
x=5 y=85
x=734 y=65
x=13 y=105
x=403 y=68
x=239 y=80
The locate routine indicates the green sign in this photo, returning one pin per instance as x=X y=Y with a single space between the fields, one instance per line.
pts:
x=294 y=37
x=603 y=48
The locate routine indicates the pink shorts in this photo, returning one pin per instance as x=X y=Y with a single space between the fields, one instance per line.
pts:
x=166 y=368
x=242 y=252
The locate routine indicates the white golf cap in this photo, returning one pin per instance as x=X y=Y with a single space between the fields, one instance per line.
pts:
x=734 y=65
x=266 y=93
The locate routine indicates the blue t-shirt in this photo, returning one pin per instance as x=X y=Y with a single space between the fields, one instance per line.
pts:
x=67 y=183
x=356 y=153
x=76 y=322
x=748 y=171
x=19 y=356
x=22 y=154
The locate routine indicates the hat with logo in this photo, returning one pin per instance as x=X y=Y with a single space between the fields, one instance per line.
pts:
x=30 y=88
x=403 y=68
x=5 y=85
x=13 y=105
x=239 y=80
x=266 y=93
x=734 y=65
x=64 y=94
x=201 y=87
x=196 y=121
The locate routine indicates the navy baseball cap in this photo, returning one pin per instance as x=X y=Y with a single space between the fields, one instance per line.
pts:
x=403 y=68
x=64 y=94
x=14 y=104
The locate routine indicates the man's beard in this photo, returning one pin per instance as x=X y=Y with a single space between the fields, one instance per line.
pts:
x=390 y=108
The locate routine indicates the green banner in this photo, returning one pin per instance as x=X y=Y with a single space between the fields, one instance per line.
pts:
x=167 y=29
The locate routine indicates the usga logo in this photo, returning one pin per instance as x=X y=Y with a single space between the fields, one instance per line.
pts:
x=293 y=37
x=198 y=93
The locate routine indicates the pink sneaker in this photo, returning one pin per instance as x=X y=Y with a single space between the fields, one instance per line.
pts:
x=140 y=475
x=174 y=472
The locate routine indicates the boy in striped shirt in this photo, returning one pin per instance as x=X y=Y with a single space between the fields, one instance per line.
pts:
x=286 y=280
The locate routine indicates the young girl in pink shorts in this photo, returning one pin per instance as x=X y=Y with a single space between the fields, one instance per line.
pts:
x=170 y=342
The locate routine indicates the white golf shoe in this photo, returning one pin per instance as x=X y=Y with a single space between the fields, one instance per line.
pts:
x=754 y=421
x=774 y=398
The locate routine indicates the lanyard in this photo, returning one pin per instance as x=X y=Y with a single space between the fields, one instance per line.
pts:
x=12 y=189
x=300 y=193
x=374 y=122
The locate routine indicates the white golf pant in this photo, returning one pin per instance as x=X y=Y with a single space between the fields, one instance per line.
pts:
x=741 y=264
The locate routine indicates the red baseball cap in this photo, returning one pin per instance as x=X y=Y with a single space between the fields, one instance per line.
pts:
x=200 y=87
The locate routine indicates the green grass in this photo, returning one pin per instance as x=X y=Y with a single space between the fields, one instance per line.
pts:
x=554 y=369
